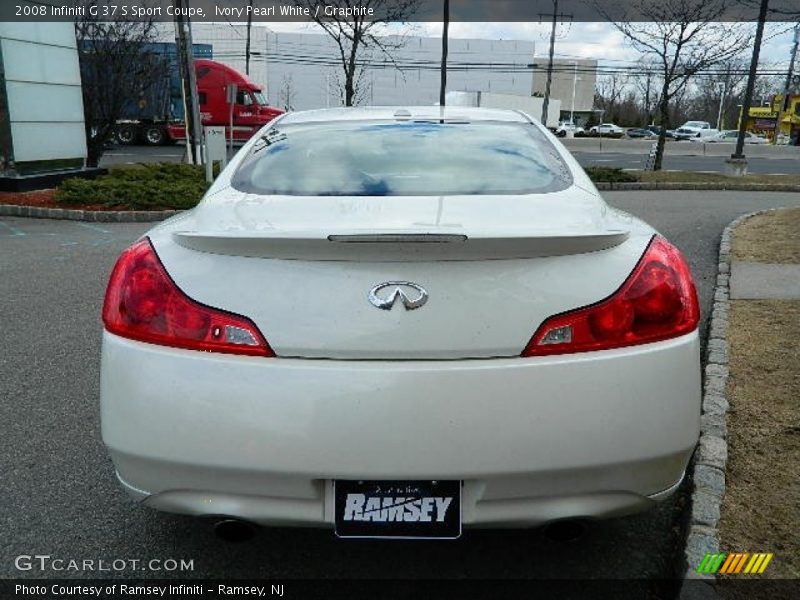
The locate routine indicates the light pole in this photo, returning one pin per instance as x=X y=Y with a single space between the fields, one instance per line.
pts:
x=574 y=85
x=723 y=88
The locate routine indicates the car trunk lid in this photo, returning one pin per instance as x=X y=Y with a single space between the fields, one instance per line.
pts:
x=306 y=270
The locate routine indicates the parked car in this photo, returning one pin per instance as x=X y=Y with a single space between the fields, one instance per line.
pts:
x=730 y=136
x=694 y=129
x=566 y=127
x=356 y=330
x=607 y=129
x=639 y=133
x=656 y=129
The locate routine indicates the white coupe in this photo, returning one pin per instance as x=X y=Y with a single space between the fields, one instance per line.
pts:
x=395 y=322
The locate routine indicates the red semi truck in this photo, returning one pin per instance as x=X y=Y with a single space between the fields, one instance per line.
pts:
x=157 y=117
x=250 y=109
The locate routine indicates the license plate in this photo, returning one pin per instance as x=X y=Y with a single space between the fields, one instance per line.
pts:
x=398 y=509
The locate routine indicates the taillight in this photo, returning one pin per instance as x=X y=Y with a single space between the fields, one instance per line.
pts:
x=658 y=301
x=143 y=303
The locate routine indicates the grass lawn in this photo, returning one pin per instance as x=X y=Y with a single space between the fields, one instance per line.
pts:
x=761 y=507
x=770 y=238
x=693 y=177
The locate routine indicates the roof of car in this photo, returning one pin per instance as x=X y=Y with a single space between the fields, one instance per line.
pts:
x=391 y=113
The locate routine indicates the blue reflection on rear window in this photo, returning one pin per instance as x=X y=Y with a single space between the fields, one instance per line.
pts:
x=356 y=158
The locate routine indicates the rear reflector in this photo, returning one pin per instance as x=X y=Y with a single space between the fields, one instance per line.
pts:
x=143 y=303
x=658 y=301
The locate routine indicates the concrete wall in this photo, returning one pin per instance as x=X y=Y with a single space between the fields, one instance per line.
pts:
x=564 y=75
x=42 y=82
x=527 y=104
x=309 y=65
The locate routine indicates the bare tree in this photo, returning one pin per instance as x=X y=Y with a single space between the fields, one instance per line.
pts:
x=115 y=70
x=647 y=85
x=684 y=37
x=287 y=92
x=610 y=89
x=714 y=93
x=353 y=33
x=362 y=87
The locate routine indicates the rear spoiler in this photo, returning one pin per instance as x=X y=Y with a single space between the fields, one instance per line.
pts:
x=397 y=246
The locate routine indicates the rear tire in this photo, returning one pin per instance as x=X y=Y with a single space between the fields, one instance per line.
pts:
x=561 y=133
x=155 y=135
x=127 y=134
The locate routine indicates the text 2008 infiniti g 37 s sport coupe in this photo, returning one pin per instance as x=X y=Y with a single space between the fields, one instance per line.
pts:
x=393 y=322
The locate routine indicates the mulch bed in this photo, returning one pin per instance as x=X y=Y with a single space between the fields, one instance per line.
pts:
x=46 y=199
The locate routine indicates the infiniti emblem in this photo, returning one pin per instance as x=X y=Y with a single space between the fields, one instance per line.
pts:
x=384 y=295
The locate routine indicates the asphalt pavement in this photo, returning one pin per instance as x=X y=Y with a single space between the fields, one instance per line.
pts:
x=698 y=163
x=59 y=496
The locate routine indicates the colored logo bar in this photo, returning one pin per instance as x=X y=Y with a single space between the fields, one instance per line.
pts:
x=733 y=564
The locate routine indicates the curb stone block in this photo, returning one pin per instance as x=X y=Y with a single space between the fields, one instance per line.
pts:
x=711 y=424
x=710 y=480
x=705 y=508
x=708 y=466
x=718 y=330
x=72 y=214
x=713 y=451
x=700 y=541
x=716 y=370
x=715 y=385
x=718 y=357
x=715 y=405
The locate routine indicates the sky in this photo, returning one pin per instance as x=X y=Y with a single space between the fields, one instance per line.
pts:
x=574 y=40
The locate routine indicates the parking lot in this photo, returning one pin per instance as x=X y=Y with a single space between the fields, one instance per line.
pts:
x=60 y=497
x=626 y=154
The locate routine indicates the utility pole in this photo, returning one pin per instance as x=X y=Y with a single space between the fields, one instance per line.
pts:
x=737 y=163
x=445 y=28
x=787 y=86
x=183 y=41
x=555 y=15
x=247 y=41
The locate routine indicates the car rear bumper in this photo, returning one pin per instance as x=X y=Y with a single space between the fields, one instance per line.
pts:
x=536 y=439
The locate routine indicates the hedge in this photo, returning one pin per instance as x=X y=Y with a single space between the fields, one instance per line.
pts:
x=141 y=187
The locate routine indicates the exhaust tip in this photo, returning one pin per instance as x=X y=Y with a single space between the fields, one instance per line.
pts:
x=234 y=530
x=567 y=530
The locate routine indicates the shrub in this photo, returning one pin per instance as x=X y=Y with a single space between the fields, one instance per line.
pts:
x=143 y=187
x=610 y=174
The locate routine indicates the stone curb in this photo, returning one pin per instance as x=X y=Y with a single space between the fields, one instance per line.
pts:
x=711 y=456
x=103 y=216
x=666 y=185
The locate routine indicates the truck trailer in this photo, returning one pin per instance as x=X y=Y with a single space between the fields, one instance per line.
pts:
x=156 y=115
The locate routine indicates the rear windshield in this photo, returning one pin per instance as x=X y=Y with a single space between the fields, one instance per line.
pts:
x=348 y=158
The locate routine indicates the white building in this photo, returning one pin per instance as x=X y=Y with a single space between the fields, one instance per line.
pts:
x=307 y=68
x=572 y=78
x=41 y=105
x=304 y=70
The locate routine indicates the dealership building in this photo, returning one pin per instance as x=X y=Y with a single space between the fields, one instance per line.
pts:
x=41 y=105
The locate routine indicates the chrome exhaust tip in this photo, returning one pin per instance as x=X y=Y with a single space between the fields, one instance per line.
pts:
x=234 y=530
x=566 y=530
